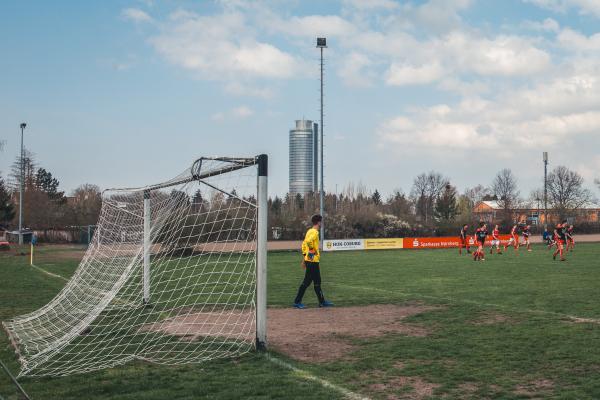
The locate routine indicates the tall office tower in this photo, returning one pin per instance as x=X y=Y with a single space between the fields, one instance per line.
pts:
x=304 y=157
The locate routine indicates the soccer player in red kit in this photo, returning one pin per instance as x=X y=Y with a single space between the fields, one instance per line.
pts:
x=495 y=240
x=514 y=238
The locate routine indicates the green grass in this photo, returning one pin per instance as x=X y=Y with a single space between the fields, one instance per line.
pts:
x=534 y=349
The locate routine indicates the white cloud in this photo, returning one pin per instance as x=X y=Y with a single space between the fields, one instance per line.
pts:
x=371 y=4
x=221 y=47
x=547 y=25
x=575 y=41
x=243 y=89
x=583 y=6
x=502 y=55
x=553 y=112
x=240 y=112
x=313 y=26
x=136 y=15
x=354 y=70
x=441 y=15
x=400 y=75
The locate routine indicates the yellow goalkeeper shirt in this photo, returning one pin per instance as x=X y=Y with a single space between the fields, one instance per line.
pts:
x=311 y=244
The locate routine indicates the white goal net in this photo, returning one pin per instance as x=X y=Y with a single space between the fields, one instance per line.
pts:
x=170 y=277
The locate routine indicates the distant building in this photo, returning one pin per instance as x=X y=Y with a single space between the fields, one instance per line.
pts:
x=304 y=157
x=532 y=214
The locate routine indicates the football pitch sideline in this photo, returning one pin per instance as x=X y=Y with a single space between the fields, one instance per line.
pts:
x=407 y=324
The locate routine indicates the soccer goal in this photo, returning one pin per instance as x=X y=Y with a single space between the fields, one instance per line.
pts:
x=175 y=274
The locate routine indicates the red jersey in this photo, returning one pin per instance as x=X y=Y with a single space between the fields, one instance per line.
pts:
x=514 y=231
x=496 y=234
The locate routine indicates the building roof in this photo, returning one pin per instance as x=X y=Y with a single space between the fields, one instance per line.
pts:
x=494 y=205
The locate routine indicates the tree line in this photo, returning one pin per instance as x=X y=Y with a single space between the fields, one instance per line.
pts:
x=433 y=206
x=45 y=206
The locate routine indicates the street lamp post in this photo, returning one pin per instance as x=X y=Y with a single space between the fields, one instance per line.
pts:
x=322 y=44
x=22 y=187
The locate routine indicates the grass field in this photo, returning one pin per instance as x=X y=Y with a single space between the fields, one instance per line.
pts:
x=512 y=327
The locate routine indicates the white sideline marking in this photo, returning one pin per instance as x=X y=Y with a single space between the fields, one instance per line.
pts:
x=49 y=273
x=308 y=376
x=508 y=308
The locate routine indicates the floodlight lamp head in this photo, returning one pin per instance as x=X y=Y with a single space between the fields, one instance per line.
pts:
x=321 y=42
x=545 y=156
x=23 y=125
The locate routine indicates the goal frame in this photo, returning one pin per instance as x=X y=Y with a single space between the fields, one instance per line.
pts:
x=260 y=162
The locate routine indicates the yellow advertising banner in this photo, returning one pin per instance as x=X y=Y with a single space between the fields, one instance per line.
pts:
x=379 y=244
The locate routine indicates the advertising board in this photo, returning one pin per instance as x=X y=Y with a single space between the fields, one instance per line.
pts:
x=380 y=244
x=343 y=244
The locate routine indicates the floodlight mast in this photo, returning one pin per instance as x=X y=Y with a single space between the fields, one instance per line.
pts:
x=322 y=44
x=545 y=159
x=22 y=186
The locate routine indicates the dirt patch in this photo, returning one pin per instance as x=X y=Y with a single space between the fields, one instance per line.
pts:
x=190 y=326
x=539 y=388
x=399 y=365
x=492 y=319
x=468 y=388
x=579 y=320
x=320 y=335
x=313 y=335
x=416 y=388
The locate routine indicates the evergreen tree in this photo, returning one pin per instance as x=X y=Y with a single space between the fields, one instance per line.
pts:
x=445 y=206
x=45 y=182
x=376 y=198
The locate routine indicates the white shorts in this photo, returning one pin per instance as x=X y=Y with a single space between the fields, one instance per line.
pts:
x=495 y=243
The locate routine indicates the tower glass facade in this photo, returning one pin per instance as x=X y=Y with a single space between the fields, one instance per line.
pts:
x=303 y=157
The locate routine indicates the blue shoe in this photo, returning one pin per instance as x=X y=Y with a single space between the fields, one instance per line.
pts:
x=326 y=304
x=299 y=306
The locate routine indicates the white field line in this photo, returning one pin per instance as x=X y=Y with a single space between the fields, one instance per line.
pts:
x=49 y=273
x=310 y=377
x=477 y=303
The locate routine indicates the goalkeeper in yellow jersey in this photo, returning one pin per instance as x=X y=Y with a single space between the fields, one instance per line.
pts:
x=311 y=256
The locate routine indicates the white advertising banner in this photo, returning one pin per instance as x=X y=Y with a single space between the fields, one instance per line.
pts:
x=344 y=244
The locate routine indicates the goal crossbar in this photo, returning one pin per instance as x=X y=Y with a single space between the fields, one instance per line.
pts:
x=237 y=163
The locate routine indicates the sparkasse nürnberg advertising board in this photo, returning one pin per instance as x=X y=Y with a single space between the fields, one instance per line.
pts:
x=343 y=244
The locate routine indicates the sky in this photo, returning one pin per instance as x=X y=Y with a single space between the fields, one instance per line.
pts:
x=129 y=92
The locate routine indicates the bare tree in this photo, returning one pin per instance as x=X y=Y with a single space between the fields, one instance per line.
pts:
x=477 y=194
x=566 y=191
x=418 y=195
x=426 y=189
x=536 y=198
x=86 y=204
x=505 y=189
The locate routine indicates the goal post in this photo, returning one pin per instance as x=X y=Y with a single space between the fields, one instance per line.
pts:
x=147 y=242
x=261 y=254
x=178 y=276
